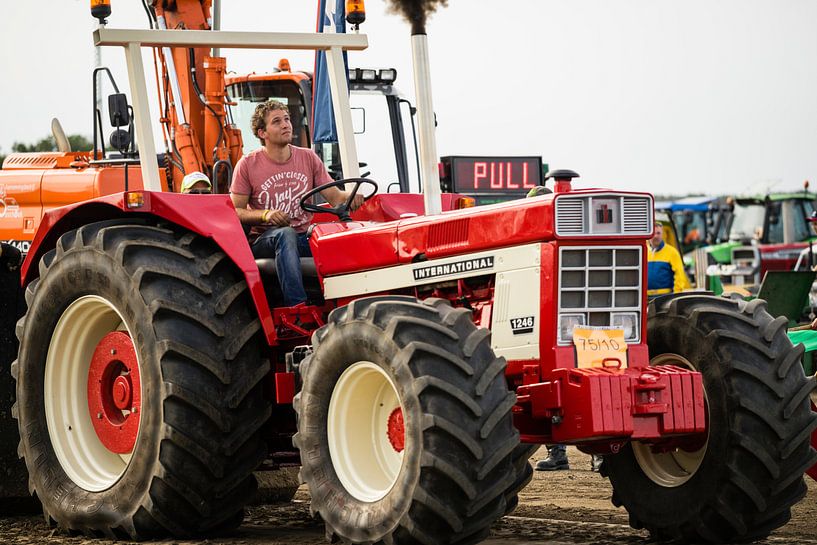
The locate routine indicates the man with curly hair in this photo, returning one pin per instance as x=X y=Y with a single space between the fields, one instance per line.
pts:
x=266 y=189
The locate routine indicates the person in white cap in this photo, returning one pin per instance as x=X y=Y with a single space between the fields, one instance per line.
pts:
x=196 y=182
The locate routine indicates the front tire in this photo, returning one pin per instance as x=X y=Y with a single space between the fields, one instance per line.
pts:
x=740 y=483
x=139 y=396
x=404 y=424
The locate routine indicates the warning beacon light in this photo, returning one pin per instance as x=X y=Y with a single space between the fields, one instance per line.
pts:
x=101 y=9
x=355 y=12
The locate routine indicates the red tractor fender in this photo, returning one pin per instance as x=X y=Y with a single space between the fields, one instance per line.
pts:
x=211 y=216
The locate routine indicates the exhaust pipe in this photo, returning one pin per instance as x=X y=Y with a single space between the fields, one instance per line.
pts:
x=416 y=13
x=430 y=175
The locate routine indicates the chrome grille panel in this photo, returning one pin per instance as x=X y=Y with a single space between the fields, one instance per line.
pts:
x=570 y=216
x=597 y=281
x=603 y=215
x=636 y=214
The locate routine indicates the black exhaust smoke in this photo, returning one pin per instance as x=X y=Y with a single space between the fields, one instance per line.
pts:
x=416 y=12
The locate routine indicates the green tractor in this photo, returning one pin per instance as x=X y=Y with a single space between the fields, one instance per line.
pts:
x=759 y=234
x=776 y=223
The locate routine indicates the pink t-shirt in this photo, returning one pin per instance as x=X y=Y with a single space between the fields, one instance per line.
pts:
x=279 y=186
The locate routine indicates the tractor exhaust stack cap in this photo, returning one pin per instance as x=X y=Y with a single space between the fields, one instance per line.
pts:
x=563 y=179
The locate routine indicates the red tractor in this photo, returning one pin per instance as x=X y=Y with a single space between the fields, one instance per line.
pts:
x=156 y=370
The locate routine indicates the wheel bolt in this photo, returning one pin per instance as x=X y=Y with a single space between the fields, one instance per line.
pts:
x=99 y=416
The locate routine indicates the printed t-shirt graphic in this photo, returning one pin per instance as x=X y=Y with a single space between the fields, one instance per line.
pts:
x=279 y=186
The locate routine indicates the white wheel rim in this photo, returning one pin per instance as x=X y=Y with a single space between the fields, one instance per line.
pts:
x=79 y=450
x=674 y=468
x=362 y=455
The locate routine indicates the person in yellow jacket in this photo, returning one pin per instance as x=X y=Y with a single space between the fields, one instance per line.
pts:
x=665 y=269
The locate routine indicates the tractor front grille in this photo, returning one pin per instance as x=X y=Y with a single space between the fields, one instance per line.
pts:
x=603 y=215
x=600 y=286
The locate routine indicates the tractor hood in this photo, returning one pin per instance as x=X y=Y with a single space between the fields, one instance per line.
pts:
x=342 y=248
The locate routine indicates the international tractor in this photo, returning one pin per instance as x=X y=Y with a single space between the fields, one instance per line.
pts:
x=438 y=349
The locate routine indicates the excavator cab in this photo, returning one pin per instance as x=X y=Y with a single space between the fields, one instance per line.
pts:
x=294 y=89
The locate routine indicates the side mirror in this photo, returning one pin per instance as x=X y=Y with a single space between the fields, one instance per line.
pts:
x=118 y=110
x=120 y=139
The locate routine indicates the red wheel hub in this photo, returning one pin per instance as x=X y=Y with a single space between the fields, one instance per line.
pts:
x=396 y=430
x=114 y=392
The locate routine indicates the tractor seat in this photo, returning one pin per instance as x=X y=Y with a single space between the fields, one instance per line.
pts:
x=266 y=267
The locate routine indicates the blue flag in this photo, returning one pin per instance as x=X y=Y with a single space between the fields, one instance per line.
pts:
x=323 y=116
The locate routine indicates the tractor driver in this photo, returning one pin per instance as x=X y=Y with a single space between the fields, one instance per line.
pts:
x=266 y=190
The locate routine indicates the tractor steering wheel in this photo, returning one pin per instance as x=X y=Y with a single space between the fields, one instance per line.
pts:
x=341 y=210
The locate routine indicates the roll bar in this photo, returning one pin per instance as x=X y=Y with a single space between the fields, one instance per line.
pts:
x=334 y=45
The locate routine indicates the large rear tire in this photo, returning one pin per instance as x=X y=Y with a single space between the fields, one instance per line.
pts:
x=740 y=484
x=404 y=424
x=14 y=495
x=139 y=395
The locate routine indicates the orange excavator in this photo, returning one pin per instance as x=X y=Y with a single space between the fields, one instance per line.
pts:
x=198 y=135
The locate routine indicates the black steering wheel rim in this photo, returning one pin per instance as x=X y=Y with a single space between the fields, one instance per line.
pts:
x=341 y=210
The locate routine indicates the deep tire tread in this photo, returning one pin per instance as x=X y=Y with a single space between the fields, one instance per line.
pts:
x=466 y=466
x=766 y=408
x=212 y=392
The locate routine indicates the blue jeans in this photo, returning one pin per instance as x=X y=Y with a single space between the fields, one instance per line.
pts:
x=286 y=247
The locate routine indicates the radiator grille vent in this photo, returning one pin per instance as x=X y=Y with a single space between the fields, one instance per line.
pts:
x=570 y=216
x=636 y=214
x=447 y=235
x=31 y=161
x=502 y=296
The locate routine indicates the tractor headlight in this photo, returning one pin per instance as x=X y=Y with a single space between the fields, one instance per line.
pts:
x=628 y=321
x=566 y=324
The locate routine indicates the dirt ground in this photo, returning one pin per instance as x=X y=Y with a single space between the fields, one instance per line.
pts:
x=564 y=507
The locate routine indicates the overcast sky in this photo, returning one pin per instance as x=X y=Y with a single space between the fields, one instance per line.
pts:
x=713 y=96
